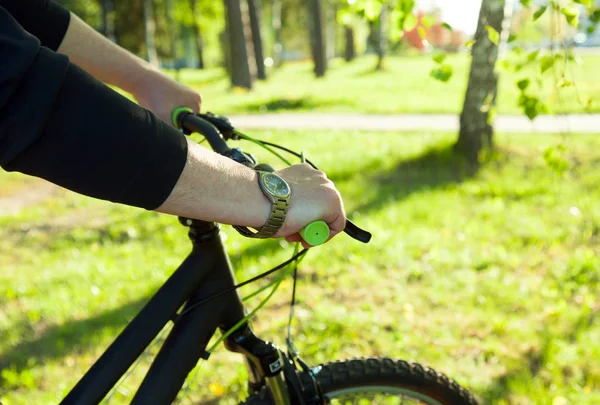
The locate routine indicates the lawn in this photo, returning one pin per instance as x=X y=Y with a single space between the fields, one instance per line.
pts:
x=405 y=86
x=492 y=277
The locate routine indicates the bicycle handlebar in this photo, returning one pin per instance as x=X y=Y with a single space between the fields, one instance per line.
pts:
x=216 y=130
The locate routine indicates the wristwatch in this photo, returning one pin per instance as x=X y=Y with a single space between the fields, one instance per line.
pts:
x=278 y=191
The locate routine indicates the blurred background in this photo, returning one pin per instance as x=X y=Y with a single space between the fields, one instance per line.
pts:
x=462 y=133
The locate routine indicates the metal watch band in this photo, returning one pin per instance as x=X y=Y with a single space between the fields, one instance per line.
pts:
x=275 y=221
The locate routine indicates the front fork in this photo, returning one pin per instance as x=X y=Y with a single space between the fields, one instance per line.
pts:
x=267 y=365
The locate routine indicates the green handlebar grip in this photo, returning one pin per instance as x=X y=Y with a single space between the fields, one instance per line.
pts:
x=316 y=233
x=176 y=113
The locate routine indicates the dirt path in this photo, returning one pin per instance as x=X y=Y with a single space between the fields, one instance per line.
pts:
x=32 y=192
x=413 y=122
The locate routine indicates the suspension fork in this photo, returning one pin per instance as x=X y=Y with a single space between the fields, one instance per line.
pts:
x=265 y=365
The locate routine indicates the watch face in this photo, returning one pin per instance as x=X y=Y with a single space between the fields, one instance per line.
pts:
x=275 y=185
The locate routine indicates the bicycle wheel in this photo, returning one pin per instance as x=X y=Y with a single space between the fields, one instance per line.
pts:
x=382 y=381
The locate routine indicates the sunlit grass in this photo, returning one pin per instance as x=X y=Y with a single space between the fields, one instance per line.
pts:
x=491 y=277
x=405 y=86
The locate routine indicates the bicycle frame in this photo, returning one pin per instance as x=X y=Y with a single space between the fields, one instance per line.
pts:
x=205 y=272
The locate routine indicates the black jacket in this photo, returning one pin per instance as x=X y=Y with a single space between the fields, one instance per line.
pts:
x=59 y=123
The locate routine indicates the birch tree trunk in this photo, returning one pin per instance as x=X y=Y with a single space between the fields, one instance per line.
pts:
x=150 y=31
x=476 y=130
x=276 y=7
x=171 y=30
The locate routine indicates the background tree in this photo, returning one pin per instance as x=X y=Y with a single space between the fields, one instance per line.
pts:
x=240 y=67
x=317 y=37
x=197 y=34
x=107 y=8
x=150 y=33
x=254 y=13
x=475 y=127
x=276 y=12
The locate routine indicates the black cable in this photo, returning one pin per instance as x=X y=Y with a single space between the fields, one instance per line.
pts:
x=235 y=287
x=288 y=151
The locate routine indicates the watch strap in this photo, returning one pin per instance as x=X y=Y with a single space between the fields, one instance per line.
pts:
x=276 y=218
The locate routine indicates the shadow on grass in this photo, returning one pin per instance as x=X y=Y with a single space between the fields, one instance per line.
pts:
x=437 y=167
x=291 y=104
x=523 y=374
x=74 y=336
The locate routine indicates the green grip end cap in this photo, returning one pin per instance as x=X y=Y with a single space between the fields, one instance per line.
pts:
x=316 y=233
x=176 y=113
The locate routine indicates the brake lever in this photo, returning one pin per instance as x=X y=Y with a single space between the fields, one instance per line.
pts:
x=356 y=232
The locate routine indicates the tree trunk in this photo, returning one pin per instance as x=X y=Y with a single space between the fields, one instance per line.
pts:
x=254 y=13
x=330 y=29
x=350 y=48
x=197 y=35
x=276 y=22
x=171 y=32
x=150 y=31
x=475 y=128
x=317 y=37
x=107 y=9
x=248 y=38
x=381 y=37
x=240 y=68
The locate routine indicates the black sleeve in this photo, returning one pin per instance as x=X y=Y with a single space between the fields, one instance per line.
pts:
x=59 y=123
x=45 y=19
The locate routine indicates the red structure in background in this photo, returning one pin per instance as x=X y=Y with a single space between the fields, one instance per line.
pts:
x=436 y=35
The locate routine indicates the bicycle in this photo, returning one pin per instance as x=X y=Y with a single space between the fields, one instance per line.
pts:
x=201 y=297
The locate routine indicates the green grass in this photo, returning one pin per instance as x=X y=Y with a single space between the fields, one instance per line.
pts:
x=403 y=87
x=490 y=277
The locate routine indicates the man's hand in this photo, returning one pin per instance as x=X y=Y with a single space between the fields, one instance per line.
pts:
x=160 y=94
x=313 y=197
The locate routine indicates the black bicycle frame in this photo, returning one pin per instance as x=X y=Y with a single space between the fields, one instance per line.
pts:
x=204 y=273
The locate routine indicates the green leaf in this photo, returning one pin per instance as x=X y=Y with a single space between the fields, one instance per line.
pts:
x=572 y=15
x=556 y=159
x=439 y=57
x=525 y=3
x=511 y=38
x=546 y=63
x=447 y=26
x=344 y=17
x=428 y=21
x=422 y=32
x=493 y=35
x=442 y=72
x=532 y=56
x=539 y=12
x=469 y=44
x=410 y=22
x=523 y=84
x=564 y=82
x=371 y=8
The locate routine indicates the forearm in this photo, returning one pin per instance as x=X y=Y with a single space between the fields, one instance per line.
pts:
x=105 y=60
x=215 y=188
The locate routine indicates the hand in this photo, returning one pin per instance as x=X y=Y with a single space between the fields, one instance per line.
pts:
x=160 y=94
x=313 y=197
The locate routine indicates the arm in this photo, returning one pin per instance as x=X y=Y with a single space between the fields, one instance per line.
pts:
x=60 y=30
x=59 y=123
x=111 y=64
